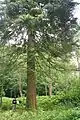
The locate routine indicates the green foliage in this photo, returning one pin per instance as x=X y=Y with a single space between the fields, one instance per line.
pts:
x=70 y=98
x=63 y=106
x=58 y=113
x=6 y=105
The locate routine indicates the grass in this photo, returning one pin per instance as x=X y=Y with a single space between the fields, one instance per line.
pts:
x=59 y=114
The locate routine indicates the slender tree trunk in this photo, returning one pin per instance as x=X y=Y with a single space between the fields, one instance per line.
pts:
x=1 y=91
x=46 y=89
x=19 y=78
x=50 y=88
x=20 y=86
x=78 y=63
x=50 y=82
x=31 y=86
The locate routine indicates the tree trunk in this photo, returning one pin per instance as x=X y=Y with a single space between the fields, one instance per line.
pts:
x=78 y=64
x=46 y=89
x=50 y=88
x=31 y=86
x=50 y=82
x=20 y=86
x=1 y=91
x=19 y=78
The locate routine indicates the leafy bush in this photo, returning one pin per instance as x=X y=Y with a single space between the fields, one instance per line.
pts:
x=7 y=103
x=63 y=106
x=71 y=98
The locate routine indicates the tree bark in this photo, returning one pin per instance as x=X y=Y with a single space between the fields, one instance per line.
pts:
x=78 y=63
x=50 y=82
x=20 y=86
x=1 y=91
x=31 y=85
x=46 y=89
x=19 y=78
x=50 y=88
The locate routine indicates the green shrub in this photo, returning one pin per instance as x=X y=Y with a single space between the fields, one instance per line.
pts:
x=72 y=98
